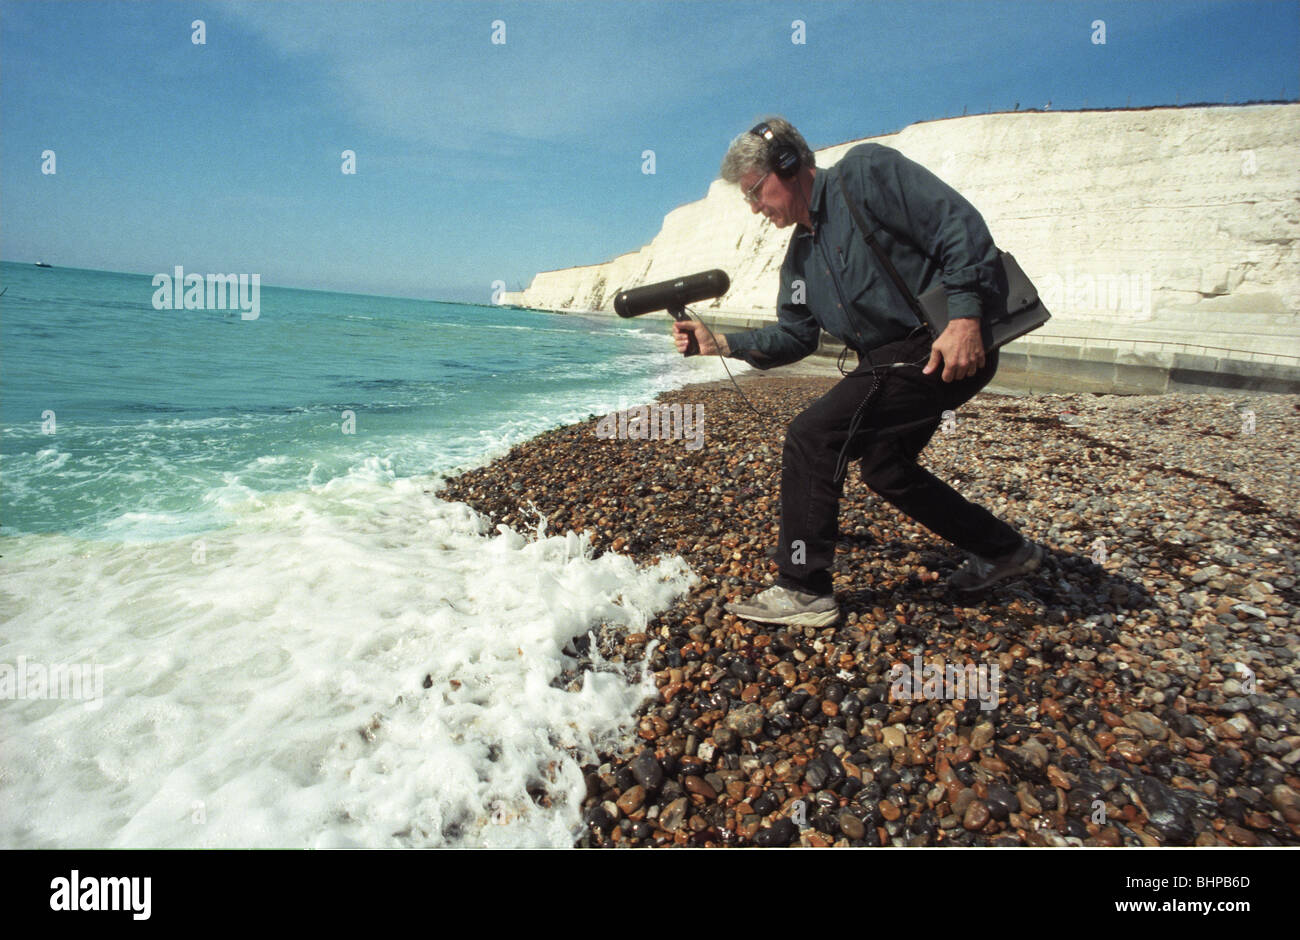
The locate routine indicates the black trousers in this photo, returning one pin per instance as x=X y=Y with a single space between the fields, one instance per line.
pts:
x=897 y=422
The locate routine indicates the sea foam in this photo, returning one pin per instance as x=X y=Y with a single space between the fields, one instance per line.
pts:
x=358 y=664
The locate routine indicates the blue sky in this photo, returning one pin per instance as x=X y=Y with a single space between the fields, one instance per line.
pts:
x=480 y=161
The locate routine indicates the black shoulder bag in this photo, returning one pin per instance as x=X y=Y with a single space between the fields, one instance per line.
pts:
x=1023 y=310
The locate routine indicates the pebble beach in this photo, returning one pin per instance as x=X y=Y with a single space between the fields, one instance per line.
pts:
x=1144 y=680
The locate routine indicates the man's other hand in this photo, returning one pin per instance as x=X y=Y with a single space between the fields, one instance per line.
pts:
x=959 y=348
x=705 y=338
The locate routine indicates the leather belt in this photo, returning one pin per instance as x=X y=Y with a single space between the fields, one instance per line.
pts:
x=904 y=349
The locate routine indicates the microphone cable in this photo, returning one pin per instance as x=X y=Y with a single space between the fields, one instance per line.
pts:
x=723 y=359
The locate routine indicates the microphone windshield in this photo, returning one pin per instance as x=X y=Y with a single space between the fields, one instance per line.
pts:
x=667 y=295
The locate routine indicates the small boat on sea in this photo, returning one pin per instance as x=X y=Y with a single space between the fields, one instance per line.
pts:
x=42 y=264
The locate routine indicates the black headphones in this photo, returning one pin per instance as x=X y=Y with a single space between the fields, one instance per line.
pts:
x=783 y=158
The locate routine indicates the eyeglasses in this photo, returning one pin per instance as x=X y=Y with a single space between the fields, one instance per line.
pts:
x=749 y=193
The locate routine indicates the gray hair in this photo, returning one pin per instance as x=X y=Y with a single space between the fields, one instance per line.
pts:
x=751 y=152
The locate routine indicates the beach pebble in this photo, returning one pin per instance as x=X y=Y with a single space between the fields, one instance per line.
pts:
x=976 y=815
x=674 y=815
x=781 y=832
x=746 y=721
x=851 y=826
x=1171 y=661
x=631 y=801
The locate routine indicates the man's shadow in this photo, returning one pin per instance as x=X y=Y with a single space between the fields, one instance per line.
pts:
x=1068 y=587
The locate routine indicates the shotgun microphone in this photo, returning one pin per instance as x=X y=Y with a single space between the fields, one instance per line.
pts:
x=673 y=296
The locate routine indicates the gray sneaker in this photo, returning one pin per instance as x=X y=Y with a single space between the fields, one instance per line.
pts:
x=978 y=573
x=782 y=605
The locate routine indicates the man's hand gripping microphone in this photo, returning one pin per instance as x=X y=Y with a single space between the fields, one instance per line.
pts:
x=673 y=296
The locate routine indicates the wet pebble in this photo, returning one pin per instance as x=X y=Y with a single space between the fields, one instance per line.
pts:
x=1115 y=676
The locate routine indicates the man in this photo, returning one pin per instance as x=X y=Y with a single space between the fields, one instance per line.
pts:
x=889 y=407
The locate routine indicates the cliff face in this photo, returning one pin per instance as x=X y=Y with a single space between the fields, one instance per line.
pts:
x=1175 y=224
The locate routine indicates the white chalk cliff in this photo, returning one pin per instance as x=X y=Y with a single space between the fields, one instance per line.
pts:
x=1169 y=224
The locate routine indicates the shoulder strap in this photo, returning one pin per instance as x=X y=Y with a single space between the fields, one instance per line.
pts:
x=856 y=211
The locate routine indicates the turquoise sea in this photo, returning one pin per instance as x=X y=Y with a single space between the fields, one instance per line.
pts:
x=224 y=526
x=163 y=420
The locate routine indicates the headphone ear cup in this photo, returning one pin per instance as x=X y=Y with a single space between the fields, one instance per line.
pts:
x=784 y=158
x=785 y=161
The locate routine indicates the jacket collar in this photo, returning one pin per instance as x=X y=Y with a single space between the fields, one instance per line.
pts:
x=818 y=195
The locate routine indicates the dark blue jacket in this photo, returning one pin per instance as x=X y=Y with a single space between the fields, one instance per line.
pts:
x=928 y=230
